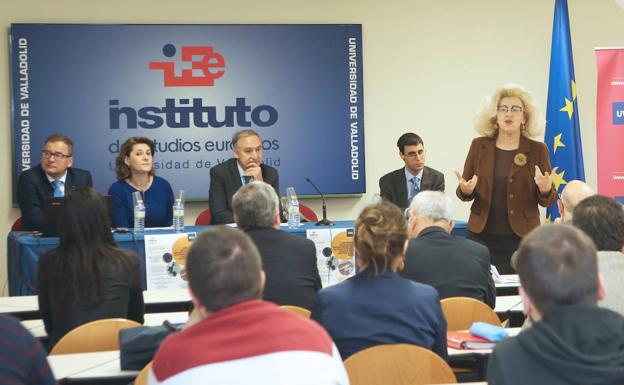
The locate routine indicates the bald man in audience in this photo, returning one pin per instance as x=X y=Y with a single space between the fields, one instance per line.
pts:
x=572 y=340
x=573 y=192
x=602 y=218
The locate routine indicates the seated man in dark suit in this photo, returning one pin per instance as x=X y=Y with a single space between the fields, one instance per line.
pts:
x=51 y=178
x=246 y=166
x=572 y=340
x=400 y=186
x=455 y=266
x=289 y=261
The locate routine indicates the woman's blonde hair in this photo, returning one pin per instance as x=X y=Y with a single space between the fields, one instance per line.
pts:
x=380 y=235
x=485 y=122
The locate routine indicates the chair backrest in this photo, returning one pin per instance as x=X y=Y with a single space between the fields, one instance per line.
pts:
x=307 y=213
x=204 y=218
x=296 y=310
x=398 y=364
x=461 y=312
x=17 y=225
x=94 y=336
x=142 y=377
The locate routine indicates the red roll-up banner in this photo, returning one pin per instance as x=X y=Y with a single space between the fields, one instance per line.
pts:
x=610 y=122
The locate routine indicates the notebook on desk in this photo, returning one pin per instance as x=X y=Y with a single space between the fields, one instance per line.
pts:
x=53 y=214
x=465 y=340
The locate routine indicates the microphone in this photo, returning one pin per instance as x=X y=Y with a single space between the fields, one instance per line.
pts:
x=324 y=221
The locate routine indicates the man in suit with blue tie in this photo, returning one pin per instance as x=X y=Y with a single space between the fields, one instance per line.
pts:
x=51 y=178
x=400 y=186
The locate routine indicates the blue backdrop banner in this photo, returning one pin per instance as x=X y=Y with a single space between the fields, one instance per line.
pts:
x=190 y=88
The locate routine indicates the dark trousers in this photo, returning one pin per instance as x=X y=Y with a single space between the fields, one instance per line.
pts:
x=501 y=247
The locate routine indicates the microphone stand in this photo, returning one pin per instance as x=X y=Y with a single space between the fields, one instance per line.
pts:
x=324 y=221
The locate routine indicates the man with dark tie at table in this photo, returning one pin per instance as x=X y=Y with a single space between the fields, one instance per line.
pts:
x=51 y=178
x=400 y=186
x=227 y=177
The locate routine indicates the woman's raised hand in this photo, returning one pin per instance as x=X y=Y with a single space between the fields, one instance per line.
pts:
x=466 y=186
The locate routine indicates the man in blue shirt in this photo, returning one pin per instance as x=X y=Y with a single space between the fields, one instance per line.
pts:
x=51 y=178
x=400 y=186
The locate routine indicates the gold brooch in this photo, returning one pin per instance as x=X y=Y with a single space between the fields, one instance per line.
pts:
x=520 y=159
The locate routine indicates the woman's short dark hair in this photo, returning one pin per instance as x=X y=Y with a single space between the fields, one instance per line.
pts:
x=121 y=169
x=380 y=235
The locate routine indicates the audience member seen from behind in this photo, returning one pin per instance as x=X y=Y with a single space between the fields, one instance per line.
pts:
x=233 y=336
x=454 y=266
x=573 y=192
x=135 y=172
x=23 y=361
x=602 y=218
x=289 y=261
x=506 y=174
x=572 y=341
x=54 y=176
x=377 y=306
x=87 y=277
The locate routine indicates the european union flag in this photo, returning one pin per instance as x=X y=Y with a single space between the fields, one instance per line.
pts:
x=563 y=134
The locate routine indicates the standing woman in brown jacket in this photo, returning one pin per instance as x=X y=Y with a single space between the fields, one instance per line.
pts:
x=507 y=174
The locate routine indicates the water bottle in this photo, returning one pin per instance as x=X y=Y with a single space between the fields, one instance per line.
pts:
x=178 y=212
x=293 y=208
x=139 y=213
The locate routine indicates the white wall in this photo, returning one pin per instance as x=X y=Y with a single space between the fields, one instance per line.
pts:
x=427 y=66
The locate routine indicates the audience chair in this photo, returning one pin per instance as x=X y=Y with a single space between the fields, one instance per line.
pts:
x=307 y=213
x=17 y=225
x=204 y=218
x=398 y=364
x=296 y=310
x=95 y=336
x=142 y=377
x=461 y=312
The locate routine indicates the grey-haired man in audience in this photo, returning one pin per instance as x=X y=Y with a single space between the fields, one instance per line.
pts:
x=292 y=276
x=454 y=266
